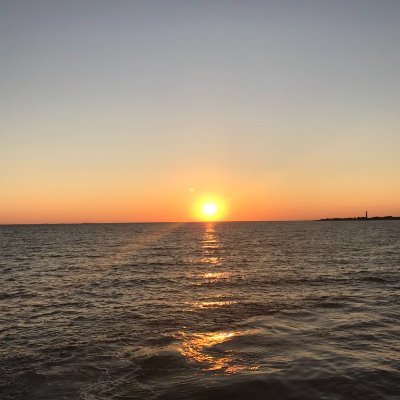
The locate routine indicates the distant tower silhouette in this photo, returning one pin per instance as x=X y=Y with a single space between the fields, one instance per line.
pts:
x=366 y=214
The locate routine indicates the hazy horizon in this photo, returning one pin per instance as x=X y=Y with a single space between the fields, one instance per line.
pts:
x=193 y=221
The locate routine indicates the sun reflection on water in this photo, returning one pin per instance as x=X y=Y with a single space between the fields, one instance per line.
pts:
x=210 y=245
x=215 y=276
x=211 y=349
x=209 y=260
x=212 y=304
x=210 y=240
x=211 y=248
x=199 y=348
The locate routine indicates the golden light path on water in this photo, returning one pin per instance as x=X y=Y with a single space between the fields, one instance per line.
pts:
x=200 y=347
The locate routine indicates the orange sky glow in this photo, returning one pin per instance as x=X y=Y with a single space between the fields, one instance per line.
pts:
x=140 y=110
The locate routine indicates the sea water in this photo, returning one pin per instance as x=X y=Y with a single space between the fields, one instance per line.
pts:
x=246 y=310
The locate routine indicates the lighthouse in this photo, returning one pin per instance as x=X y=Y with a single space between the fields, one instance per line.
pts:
x=366 y=214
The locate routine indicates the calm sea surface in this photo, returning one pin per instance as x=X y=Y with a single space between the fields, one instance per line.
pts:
x=303 y=310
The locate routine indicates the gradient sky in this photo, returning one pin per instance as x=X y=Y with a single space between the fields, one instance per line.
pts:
x=113 y=110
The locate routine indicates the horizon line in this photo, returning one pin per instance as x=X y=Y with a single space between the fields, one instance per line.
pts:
x=175 y=222
x=152 y=222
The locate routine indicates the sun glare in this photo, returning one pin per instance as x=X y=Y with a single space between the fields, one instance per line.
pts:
x=210 y=209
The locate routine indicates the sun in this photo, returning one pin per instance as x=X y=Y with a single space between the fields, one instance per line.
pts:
x=209 y=209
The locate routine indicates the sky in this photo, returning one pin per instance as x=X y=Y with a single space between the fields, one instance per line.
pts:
x=134 y=110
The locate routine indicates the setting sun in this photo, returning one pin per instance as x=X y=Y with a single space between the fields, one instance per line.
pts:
x=210 y=209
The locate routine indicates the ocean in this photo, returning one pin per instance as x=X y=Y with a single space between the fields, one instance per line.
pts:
x=235 y=310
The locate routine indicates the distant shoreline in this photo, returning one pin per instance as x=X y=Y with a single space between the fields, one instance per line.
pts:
x=386 y=218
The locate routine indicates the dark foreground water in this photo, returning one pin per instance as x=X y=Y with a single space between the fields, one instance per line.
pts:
x=201 y=311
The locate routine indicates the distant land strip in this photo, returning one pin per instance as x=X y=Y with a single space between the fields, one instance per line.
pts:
x=386 y=218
